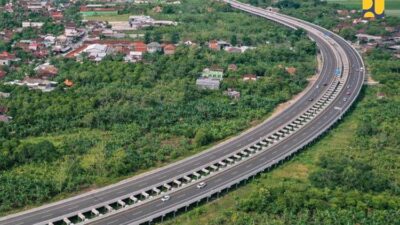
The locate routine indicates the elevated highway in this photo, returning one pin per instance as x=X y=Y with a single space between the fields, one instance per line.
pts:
x=137 y=200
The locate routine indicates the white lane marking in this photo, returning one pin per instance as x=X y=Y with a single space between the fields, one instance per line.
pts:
x=45 y=216
x=138 y=212
x=120 y=192
x=181 y=196
x=112 y=222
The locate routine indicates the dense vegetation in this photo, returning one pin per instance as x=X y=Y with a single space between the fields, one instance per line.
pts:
x=120 y=119
x=349 y=177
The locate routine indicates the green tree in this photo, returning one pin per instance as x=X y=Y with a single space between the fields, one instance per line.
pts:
x=234 y=40
x=202 y=137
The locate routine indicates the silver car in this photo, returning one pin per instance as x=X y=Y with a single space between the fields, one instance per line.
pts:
x=201 y=185
x=165 y=198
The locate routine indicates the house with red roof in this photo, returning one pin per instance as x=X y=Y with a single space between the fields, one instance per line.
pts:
x=291 y=70
x=140 y=46
x=33 y=46
x=6 y=58
x=46 y=71
x=169 y=49
x=56 y=15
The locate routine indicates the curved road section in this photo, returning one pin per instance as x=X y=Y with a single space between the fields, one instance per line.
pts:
x=140 y=199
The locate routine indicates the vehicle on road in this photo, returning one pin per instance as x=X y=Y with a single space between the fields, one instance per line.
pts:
x=348 y=93
x=325 y=84
x=165 y=198
x=345 y=99
x=201 y=185
x=311 y=99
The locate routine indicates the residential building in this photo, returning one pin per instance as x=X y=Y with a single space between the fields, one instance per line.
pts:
x=380 y=95
x=33 y=46
x=72 y=32
x=57 y=15
x=213 y=73
x=5 y=118
x=140 y=46
x=6 y=58
x=146 y=21
x=218 y=45
x=97 y=52
x=9 y=7
x=233 y=49
x=68 y=83
x=49 y=40
x=208 y=83
x=134 y=56
x=249 y=77
x=46 y=71
x=232 y=93
x=395 y=48
x=154 y=47
x=189 y=43
x=35 y=84
x=291 y=70
x=32 y=24
x=169 y=49
x=232 y=67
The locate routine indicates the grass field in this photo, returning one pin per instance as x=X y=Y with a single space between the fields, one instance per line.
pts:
x=392 y=7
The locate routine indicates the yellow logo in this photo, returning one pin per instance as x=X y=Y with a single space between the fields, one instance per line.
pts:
x=373 y=8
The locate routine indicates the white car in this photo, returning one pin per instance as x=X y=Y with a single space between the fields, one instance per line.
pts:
x=165 y=198
x=201 y=185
